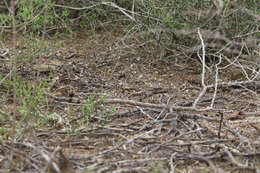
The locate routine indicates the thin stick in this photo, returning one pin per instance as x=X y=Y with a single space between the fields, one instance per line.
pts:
x=220 y=124
x=204 y=87
x=14 y=58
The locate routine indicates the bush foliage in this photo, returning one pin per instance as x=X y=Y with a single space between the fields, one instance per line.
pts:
x=166 y=25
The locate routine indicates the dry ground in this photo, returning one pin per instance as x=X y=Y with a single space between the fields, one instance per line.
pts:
x=135 y=137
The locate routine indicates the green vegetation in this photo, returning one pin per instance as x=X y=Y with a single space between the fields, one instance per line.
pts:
x=31 y=97
x=88 y=109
